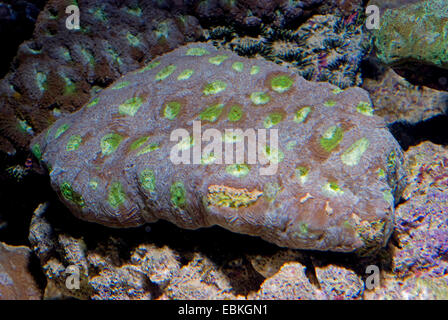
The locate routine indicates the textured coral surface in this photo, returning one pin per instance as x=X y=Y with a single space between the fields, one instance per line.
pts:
x=333 y=188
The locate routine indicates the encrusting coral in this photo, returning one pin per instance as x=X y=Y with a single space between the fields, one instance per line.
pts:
x=333 y=186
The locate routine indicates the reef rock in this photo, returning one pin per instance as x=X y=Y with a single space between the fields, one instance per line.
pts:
x=16 y=281
x=416 y=32
x=328 y=184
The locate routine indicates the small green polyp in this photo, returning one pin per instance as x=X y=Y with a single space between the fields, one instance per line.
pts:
x=165 y=72
x=332 y=189
x=254 y=70
x=301 y=174
x=148 y=180
x=171 y=110
x=214 y=87
x=116 y=195
x=238 y=170
x=61 y=130
x=197 y=52
x=211 y=113
x=150 y=66
x=93 y=184
x=353 y=154
x=138 y=143
x=130 y=106
x=218 y=59
x=235 y=113
x=133 y=40
x=93 y=102
x=121 y=85
x=259 y=97
x=331 y=138
x=149 y=148
x=178 y=194
x=364 y=108
x=41 y=79
x=37 y=152
x=302 y=114
x=238 y=66
x=330 y=103
x=69 y=194
x=109 y=143
x=281 y=83
x=73 y=142
x=272 y=120
x=185 y=75
x=273 y=155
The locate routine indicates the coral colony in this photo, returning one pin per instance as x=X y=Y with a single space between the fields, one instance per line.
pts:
x=334 y=186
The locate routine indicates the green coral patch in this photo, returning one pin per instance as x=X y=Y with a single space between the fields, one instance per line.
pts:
x=281 y=83
x=272 y=120
x=148 y=180
x=217 y=60
x=73 y=142
x=331 y=138
x=130 y=106
x=116 y=196
x=150 y=66
x=260 y=97
x=109 y=143
x=185 y=75
x=238 y=66
x=274 y=155
x=197 y=52
x=69 y=194
x=254 y=70
x=37 y=152
x=353 y=154
x=332 y=189
x=301 y=174
x=330 y=103
x=214 y=87
x=238 y=170
x=165 y=72
x=211 y=113
x=121 y=85
x=138 y=143
x=235 y=113
x=302 y=114
x=61 y=130
x=365 y=108
x=171 y=110
x=149 y=148
x=223 y=196
x=93 y=102
x=178 y=194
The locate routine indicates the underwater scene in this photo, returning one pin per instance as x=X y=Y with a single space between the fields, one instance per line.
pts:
x=224 y=150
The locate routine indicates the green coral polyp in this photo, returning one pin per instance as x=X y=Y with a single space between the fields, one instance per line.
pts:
x=121 y=85
x=238 y=66
x=116 y=196
x=254 y=70
x=330 y=103
x=62 y=128
x=150 y=66
x=148 y=180
x=332 y=189
x=228 y=197
x=171 y=110
x=93 y=102
x=353 y=154
x=149 y=148
x=301 y=173
x=238 y=170
x=211 y=113
x=41 y=80
x=235 y=113
x=217 y=60
x=37 y=152
x=281 y=83
x=73 y=142
x=69 y=194
x=365 y=108
x=331 y=138
x=178 y=194
x=130 y=106
x=165 y=72
x=214 y=87
x=260 y=97
x=138 y=143
x=274 y=155
x=197 y=52
x=272 y=120
x=185 y=75
x=302 y=114
x=109 y=143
